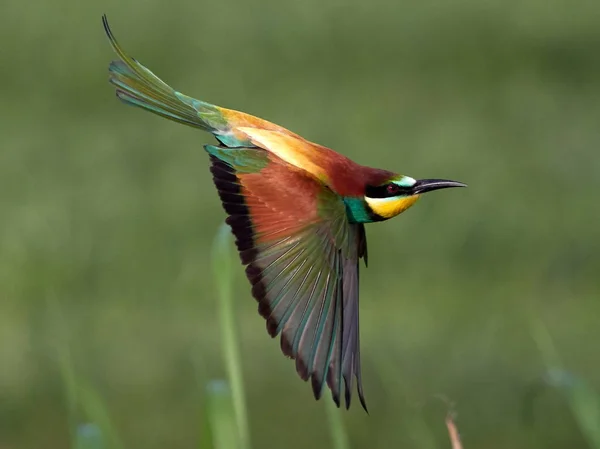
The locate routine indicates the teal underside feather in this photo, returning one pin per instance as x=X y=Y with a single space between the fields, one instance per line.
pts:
x=245 y=160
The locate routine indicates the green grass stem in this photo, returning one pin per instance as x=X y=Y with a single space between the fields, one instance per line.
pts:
x=221 y=431
x=336 y=426
x=222 y=266
x=583 y=401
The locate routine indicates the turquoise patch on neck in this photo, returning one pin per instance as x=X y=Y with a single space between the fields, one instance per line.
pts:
x=358 y=211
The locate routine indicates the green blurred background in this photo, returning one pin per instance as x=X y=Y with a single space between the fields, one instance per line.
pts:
x=107 y=214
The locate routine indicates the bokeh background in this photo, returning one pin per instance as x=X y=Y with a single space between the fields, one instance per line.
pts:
x=107 y=214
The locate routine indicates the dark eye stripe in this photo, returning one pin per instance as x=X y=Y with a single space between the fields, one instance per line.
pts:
x=386 y=191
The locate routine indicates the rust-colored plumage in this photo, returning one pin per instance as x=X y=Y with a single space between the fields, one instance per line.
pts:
x=297 y=210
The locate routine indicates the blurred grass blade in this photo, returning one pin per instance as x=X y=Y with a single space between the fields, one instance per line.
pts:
x=95 y=411
x=583 y=401
x=544 y=343
x=222 y=429
x=81 y=398
x=65 y=364
x=89 y=436
x=222 y=266
x=336 y=426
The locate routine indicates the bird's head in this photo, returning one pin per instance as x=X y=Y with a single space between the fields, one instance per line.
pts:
x=396 y=194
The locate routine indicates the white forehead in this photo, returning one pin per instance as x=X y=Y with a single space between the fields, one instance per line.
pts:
x=405 y=181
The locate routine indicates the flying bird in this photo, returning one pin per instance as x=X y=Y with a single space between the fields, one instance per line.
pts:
x=298 y=212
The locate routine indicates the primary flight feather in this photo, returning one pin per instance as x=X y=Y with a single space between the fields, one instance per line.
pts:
x=297 y=211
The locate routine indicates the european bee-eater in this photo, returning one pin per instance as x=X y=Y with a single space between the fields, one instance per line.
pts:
x=297 y=210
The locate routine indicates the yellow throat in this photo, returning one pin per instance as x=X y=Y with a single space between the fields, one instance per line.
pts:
x=390 y=207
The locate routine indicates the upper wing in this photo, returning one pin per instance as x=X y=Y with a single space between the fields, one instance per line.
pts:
x=302 y=256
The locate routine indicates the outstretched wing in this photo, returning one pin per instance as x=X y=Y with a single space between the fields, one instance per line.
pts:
x=302 y=257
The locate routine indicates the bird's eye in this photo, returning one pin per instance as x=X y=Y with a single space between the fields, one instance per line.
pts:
x=388 y=190
x=392 y=189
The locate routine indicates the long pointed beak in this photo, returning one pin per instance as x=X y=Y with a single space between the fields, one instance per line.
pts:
x=427 y=185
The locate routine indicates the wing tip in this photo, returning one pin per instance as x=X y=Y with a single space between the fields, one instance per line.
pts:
x=317 y=386
x=348 y=386
x=335 y=396
x=363 y=403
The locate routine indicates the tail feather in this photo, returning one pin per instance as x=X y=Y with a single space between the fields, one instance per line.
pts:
x=138 y=86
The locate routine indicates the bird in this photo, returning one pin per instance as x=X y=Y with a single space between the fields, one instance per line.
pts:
x=297 y=211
